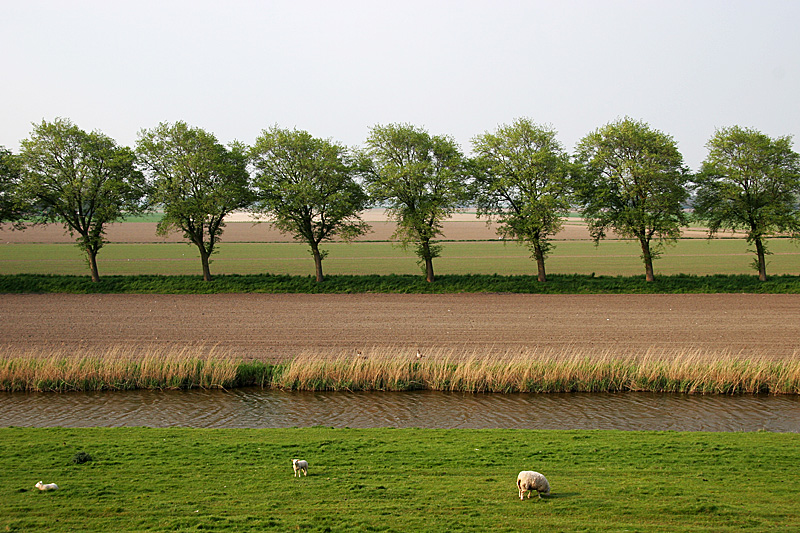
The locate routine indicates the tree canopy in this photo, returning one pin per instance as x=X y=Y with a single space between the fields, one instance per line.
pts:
x=308 y=187
x=523 y=182
x=750 y=182
x=82 y=180
x=196 y=181
x=421 y=179
x=10 y=208
x=632 y=180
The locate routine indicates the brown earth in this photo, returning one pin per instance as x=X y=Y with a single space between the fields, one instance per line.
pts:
x=278 y=326
x=461 y=228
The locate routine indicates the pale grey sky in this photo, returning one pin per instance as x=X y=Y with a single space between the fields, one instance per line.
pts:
x=336 y=68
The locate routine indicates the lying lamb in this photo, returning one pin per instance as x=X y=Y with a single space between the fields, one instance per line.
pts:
x=299 y=466
x=46 y=486
x=528 y=481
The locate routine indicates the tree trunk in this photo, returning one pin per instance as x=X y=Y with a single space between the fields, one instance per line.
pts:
x=539 y=255
x=93 y=264
x=761 y=252
x=204 y=255
x=429 y=270
x=317 y=262
x=648 y=260
x=426 y=256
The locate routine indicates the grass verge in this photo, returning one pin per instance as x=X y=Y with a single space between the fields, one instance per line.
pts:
x=142 y=479
x=386 y=369
x=698 y=257
x=267 y=283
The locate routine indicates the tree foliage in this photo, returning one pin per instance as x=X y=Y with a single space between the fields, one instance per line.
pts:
x=82 y=180
x=307 y=185
x=631 y=180
x=421 y=179
x=523 y=182
x=196 y=181
x=750 y=182
x=11 y=209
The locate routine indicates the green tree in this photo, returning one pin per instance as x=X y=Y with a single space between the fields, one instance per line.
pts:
x=749 y=182
x=421 y=179
x=83 y=180
x=631 y=179
x=10 y=208
x=308 y=187
x=523 y=181
x=196 y=181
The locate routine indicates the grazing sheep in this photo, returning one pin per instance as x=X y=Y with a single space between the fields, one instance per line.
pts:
x=46 y=486
x=528 y=481
x=300 y=466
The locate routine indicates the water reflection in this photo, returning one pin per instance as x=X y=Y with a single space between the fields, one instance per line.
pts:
x=256 y=408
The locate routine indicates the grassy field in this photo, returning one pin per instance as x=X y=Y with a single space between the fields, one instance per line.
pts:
x=142 y=479
x=612 y=258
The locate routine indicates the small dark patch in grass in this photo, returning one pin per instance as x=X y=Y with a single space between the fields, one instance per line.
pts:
x=81 y=458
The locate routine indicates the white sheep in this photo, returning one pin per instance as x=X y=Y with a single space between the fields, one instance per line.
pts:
x=299 y=466
x=46 y=486
x=528 y=481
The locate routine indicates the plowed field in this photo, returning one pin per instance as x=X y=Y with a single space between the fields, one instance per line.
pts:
x=460 y=227
x=278 y=326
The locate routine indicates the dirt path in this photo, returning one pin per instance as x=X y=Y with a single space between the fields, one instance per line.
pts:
x=277 y=326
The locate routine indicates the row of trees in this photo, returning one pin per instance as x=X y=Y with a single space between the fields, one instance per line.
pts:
x=624 y=177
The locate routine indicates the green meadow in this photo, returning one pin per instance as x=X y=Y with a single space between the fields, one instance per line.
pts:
x=697 y=257
x=178 y=479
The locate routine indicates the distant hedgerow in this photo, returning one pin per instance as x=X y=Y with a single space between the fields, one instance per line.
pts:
x=398 y=284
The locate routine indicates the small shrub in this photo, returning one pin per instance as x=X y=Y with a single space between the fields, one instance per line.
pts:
x=81 y=457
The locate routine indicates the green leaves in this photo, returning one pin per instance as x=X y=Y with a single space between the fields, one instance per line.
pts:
x=421 y=179
x=632 y=180
x=12 y=207
x=749 y=182
x=83 y=180
x=196 y=181
x=522 y=180
x=308 y=187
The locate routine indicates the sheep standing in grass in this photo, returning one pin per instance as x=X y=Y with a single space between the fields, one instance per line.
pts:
x=528 y=481
x=46 y=486
x=299 y=466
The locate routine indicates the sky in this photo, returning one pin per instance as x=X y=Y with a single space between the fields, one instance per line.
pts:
x=335 y=68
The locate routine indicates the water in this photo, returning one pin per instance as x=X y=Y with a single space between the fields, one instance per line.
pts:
x=257 y=408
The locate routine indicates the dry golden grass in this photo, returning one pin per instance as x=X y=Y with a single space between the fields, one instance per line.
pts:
x=684 y=370
x=393 y=369
x=116 y=368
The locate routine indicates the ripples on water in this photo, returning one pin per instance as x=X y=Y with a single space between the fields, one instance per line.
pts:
x=257 y=408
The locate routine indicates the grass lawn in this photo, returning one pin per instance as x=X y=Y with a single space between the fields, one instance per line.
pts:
x=396 y=480
x=611 y=258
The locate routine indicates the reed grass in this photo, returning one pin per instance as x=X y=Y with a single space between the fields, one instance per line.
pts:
x=692 y=371
x=116 y=368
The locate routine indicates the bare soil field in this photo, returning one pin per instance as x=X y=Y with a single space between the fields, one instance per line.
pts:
x=274 y=327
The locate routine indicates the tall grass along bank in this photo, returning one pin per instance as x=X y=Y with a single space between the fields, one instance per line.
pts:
x=177 y=479
x=388 y=369
x=342 y=284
